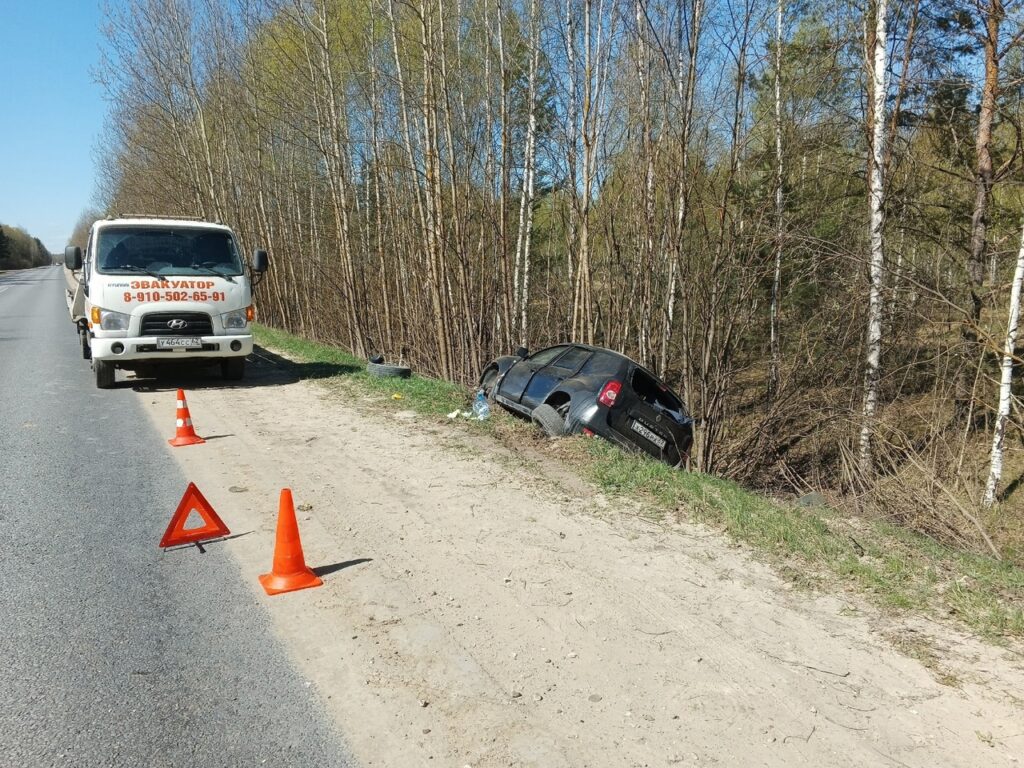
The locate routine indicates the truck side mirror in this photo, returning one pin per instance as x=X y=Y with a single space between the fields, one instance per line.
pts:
x=522 y=352
x=73 y=257
x=259 y=260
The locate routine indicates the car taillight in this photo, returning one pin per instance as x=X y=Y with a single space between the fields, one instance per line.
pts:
x=609 y=392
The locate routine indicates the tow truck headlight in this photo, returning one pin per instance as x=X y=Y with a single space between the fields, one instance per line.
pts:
x=109 y=320
x=236 y=320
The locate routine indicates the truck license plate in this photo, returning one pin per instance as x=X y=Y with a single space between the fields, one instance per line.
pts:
x=640 y=429
x=179 y=342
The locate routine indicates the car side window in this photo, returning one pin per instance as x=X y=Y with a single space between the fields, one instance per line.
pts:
x=602 y=365
x=546 y=356
x=571 y=360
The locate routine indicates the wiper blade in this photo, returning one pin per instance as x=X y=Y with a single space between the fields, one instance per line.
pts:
x=142 y=271
x=212 y=271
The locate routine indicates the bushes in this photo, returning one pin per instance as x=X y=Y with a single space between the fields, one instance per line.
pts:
x=19 y=250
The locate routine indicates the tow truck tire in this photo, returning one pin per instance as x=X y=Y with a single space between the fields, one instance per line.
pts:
x=104 y=374
x=83 y=338
x=233 y=368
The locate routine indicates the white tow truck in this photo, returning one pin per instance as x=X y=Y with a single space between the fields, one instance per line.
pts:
x=151 y=291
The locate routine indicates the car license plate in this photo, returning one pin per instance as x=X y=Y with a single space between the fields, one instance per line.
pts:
x=179 y=342
x=640 y=429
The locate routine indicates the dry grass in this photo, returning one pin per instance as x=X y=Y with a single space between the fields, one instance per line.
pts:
x=877 y=550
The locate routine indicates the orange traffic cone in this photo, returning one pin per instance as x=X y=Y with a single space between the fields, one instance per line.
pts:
x=184 y=434
x=290 y=571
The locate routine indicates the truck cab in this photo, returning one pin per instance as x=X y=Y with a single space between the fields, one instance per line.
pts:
x=155 y=291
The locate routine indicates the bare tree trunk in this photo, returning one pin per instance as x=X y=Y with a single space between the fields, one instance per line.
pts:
x=773 y=372
x=332 y=140
x=646 y=256
x=686 y=96
x=509 y=286
x=983 y=179
x=583 y=296
x=572 y=158
x=437 y=281
x=1005 y=380
x=522 y=264
x=386 y=340
x=876 y=167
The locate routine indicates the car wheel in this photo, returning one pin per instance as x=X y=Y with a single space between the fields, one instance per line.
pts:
x=385 y=371
x=104 y=373
x=549 y=420
x=233 y=368
x=487 y=382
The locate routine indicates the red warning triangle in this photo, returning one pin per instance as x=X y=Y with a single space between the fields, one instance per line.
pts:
x=193 y=501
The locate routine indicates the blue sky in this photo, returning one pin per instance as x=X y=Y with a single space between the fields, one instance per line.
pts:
x=51 y=114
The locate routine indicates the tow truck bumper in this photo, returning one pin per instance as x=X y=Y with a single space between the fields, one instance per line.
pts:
x=154 y=349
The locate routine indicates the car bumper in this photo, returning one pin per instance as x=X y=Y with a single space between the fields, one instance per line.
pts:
x=595 y=417
x=144 y=348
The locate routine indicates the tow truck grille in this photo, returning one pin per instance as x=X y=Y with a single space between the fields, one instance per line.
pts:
x=160 y=324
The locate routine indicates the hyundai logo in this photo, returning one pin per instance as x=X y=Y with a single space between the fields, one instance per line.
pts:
x=177 y=324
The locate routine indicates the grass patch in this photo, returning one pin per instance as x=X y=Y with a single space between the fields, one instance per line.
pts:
x=428 y=397
x=896 y=568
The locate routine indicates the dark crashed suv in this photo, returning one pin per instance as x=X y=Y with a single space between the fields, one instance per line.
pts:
x=573 y=388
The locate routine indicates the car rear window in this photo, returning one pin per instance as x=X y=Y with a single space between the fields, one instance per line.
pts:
x=657 y=394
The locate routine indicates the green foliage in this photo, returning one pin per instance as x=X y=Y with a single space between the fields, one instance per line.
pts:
x=19 y=250
x=377 y=151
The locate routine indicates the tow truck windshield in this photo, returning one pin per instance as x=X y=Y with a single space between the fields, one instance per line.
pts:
x=163 y=252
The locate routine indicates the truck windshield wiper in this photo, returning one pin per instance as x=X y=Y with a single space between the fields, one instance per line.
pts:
x=212 y=271
x=142 y=271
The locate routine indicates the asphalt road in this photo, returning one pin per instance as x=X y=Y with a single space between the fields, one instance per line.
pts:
x=112 y=652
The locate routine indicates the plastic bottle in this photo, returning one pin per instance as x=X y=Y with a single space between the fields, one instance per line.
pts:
x=481 y=408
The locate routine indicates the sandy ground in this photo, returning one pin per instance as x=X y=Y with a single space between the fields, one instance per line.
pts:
x=475 y=615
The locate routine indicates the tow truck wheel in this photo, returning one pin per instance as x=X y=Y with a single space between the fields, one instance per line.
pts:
x=233 y=368
x=83 y=337
x=104 y=374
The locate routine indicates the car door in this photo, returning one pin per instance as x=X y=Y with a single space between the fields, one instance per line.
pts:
x=547 y=379
x=519 y=375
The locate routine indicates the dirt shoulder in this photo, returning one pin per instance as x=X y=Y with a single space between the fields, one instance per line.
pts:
x=477 y=615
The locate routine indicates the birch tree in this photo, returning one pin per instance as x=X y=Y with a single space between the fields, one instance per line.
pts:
x=1005 y=380
x=526 y=200
x=985 y=176
x=773 y=333
x=878 y=52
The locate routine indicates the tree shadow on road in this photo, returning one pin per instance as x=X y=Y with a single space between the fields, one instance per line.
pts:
x=263 y=369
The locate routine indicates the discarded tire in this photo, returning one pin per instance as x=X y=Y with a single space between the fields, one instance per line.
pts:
x=549 y=420
x=377 y=359
x=385 y=371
